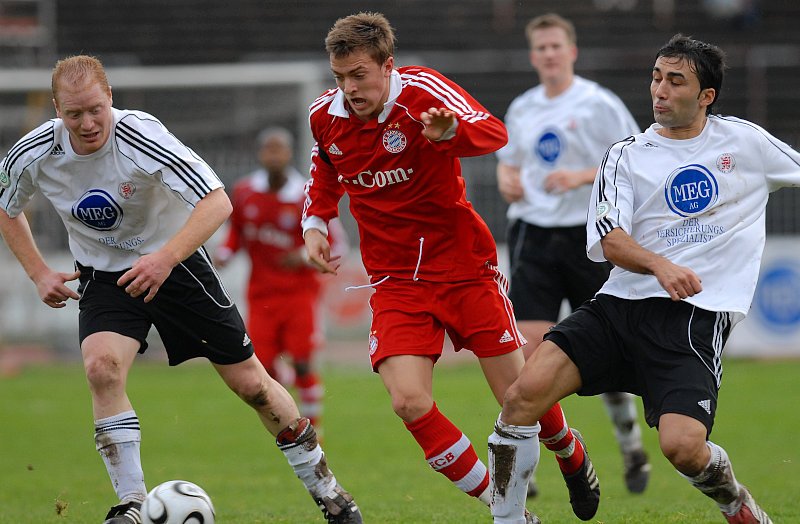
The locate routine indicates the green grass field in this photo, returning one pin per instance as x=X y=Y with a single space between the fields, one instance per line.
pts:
x=195 y=429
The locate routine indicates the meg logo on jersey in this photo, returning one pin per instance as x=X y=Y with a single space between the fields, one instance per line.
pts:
x=690 y=190
x=549 y=146
x=97 y=210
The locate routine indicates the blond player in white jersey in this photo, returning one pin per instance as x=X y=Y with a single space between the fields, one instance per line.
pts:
x=138 y=206
x=558 y=132
x=679 y=210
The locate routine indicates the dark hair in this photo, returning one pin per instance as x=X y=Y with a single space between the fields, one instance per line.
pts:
x=707 y=61
x=368 y=31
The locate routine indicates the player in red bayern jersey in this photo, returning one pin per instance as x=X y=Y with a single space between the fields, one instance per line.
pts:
x=283 y=290
x=391 y=138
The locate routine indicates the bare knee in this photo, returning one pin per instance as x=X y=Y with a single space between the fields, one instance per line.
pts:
x=523 y=405
x=104 y=371
x=684 y=445
x=254 y=389
x=410 y=406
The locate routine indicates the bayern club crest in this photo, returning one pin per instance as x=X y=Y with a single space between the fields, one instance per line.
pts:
x=373 y=343
x=394 y=140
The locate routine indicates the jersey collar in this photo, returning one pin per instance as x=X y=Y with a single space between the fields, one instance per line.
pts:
x=338 y=106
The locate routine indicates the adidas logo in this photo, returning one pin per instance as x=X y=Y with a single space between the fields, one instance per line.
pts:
x=649 y=144
x=334 y=150
x=706 y=405
x=246 y=340
x=506 y=337
x=57 y=151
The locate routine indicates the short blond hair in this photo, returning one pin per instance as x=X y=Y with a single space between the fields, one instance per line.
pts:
x=76 y=70
x=551 y=20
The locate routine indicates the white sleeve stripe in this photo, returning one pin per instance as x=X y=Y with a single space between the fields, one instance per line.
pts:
x=193 y=179
x=322 y=100
x=447 y=90
x=446 y=94
x=470 y=117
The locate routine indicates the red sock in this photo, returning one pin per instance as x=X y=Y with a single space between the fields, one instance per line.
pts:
x=450 y=452
x=311 y=392
x=556 y=436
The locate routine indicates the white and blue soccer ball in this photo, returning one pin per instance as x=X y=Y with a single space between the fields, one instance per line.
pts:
x=177 y=502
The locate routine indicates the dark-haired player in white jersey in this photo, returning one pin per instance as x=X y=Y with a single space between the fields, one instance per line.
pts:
x=138 y=206
x=558 y=132
x=680 y=211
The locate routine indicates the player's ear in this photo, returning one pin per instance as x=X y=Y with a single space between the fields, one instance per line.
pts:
x=388 y=66
x=707 y=96
x=58 y=111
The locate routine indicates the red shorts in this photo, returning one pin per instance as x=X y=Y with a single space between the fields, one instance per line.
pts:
x=284 y=324
x=411 y=317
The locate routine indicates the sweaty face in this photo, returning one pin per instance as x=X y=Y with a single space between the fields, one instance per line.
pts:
x=552 y=54
x=85 y=109
x=364 y=82
x=678 y=102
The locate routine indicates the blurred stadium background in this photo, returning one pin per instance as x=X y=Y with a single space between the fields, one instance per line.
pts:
x=217 y=72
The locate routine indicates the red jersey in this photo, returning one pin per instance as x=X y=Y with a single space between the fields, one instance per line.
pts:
x=267 y=225
x=406 y=192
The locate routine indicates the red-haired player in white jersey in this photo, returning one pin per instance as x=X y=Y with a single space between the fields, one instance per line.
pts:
x=283 y=290
x=391 y=139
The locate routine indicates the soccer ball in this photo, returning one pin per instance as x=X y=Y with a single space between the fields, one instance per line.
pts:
x=177 y=502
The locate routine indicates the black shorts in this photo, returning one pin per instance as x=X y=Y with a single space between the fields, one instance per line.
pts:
x=192 y=312
x=667 y=352
x=549 y=265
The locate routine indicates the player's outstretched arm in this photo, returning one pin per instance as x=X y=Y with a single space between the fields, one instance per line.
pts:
x=623 y=251
x=49 y=284
x=437 y=122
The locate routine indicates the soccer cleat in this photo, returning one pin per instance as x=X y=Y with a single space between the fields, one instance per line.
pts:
x=583 y=486
x=127 y=513
x=530 y=518
x=340 y=509
x=637 y=470
x=749 y=512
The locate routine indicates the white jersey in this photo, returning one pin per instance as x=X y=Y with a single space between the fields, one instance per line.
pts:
x=699 y=202
x=118 y=203
x=570 y=131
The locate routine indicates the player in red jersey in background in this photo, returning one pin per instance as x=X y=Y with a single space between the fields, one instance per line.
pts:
x=283 y=290
x=391 y=139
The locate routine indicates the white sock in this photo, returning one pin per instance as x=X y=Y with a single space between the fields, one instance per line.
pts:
x=309 y=465
x=513 y=457
x=717 y=480
x=117 y=438
x=621 y=408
